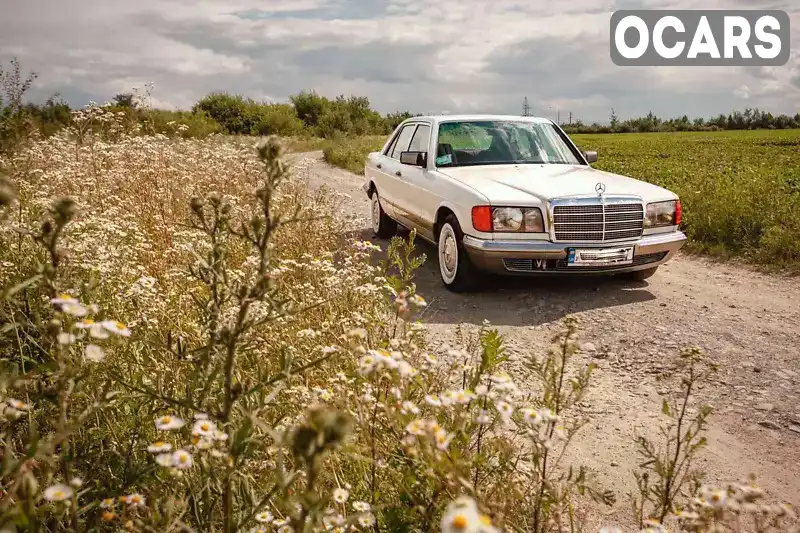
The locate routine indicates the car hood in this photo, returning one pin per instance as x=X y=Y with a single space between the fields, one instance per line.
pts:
x=504 y=184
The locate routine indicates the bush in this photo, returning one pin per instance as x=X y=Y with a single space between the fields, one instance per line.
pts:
x=350 y=153
x=240 y=116
x=186 y=124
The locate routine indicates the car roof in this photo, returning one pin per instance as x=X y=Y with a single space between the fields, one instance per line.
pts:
x=436 y=119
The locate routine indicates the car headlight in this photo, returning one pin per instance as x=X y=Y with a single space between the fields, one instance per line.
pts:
x=660 y=214
x=533 y=220
x=507 y=219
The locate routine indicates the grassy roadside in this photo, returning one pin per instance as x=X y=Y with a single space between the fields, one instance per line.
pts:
x=740 y=189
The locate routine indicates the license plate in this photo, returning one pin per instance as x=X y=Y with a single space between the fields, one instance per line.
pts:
x=600 y=256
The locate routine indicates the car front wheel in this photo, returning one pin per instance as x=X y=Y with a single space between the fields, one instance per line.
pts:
x=383 y=226
x=454 y=265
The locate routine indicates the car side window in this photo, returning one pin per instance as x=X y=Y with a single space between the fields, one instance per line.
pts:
x=403 y=141
x=421 y=139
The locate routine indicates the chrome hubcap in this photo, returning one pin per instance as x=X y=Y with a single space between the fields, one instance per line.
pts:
x=448 y=254
x=376 y=212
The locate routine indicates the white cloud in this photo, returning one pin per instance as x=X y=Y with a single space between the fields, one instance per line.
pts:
x=470 y=55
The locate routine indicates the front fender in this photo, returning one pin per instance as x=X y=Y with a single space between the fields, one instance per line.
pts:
x=463 y=214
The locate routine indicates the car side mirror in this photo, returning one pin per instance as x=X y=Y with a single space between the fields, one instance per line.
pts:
x=417 y=159
x=591 y=157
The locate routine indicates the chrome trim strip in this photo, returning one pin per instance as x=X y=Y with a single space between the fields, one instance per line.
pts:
x=547 y=246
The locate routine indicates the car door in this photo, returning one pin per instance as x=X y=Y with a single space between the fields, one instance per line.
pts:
x=389 y=175
x=416 y=203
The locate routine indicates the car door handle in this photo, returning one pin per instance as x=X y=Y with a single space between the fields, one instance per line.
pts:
x=398 y=173
x=379 y=165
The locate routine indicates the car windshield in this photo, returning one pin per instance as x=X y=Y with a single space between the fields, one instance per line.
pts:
x=502 y=142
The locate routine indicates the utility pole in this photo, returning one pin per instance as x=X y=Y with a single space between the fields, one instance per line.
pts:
x=570 y=117
x=558 y=117
x=526 y=108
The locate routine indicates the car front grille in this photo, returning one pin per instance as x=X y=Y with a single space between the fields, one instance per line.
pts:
x=560 y=265
x=597 y=222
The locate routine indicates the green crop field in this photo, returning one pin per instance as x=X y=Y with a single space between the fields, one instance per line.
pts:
x=740 y=189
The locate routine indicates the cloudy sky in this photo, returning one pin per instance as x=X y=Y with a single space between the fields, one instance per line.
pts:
x=420 y=55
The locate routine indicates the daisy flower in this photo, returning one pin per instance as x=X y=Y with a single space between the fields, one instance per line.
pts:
x=442 y=439
x=58 y=493
x=118 y=328
x=361 y=507
x=505 y=409
x=264 y=517
x=461 y=516
x=94 y=353
x=135 y=500
x=16 y=404
x=340 y=495
x=366 y=520
x=64 y=299
x=65 y=338
x=169 y=422
x=182 y=459
x=433 y=400
x=203 y=427
x=159 y=446
x=106 y=503
x=532 y=417
x=416 y=427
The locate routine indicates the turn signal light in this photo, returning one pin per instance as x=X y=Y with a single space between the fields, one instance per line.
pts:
x=678 y=212
x=482 y=218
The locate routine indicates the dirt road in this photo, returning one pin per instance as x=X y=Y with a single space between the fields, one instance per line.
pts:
x=747 y=322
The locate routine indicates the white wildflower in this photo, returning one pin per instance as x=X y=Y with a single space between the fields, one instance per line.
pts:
x=118 y=328
x=94 y=353
x=181 y=459
x=361 y=507
x=58 y=493
x=169 y=422
x=461 y=516
x=340 y=495
x=203 y=427
x=65 y=338
x=159 y=446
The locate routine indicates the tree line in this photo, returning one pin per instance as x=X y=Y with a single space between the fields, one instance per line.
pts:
x=749 y=119
x=306 y=114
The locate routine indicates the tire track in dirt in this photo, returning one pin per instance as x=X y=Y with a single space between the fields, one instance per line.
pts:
x=748 y=322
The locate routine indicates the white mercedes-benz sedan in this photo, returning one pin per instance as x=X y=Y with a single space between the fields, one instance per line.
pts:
x=515 y=195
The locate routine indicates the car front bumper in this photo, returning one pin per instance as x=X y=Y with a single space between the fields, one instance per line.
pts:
x=545 y=257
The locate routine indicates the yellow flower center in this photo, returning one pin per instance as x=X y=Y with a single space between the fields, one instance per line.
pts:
x=165 y=419
x=58 y=494
x=109 y=515
x=204 y=427
x=135 y=499
x=715 y=497
x=486 y=520
x=183 y=458
x=459 y=521
x=64 y=296
x=120 y=325
x=108 y=501
x=88 y=322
